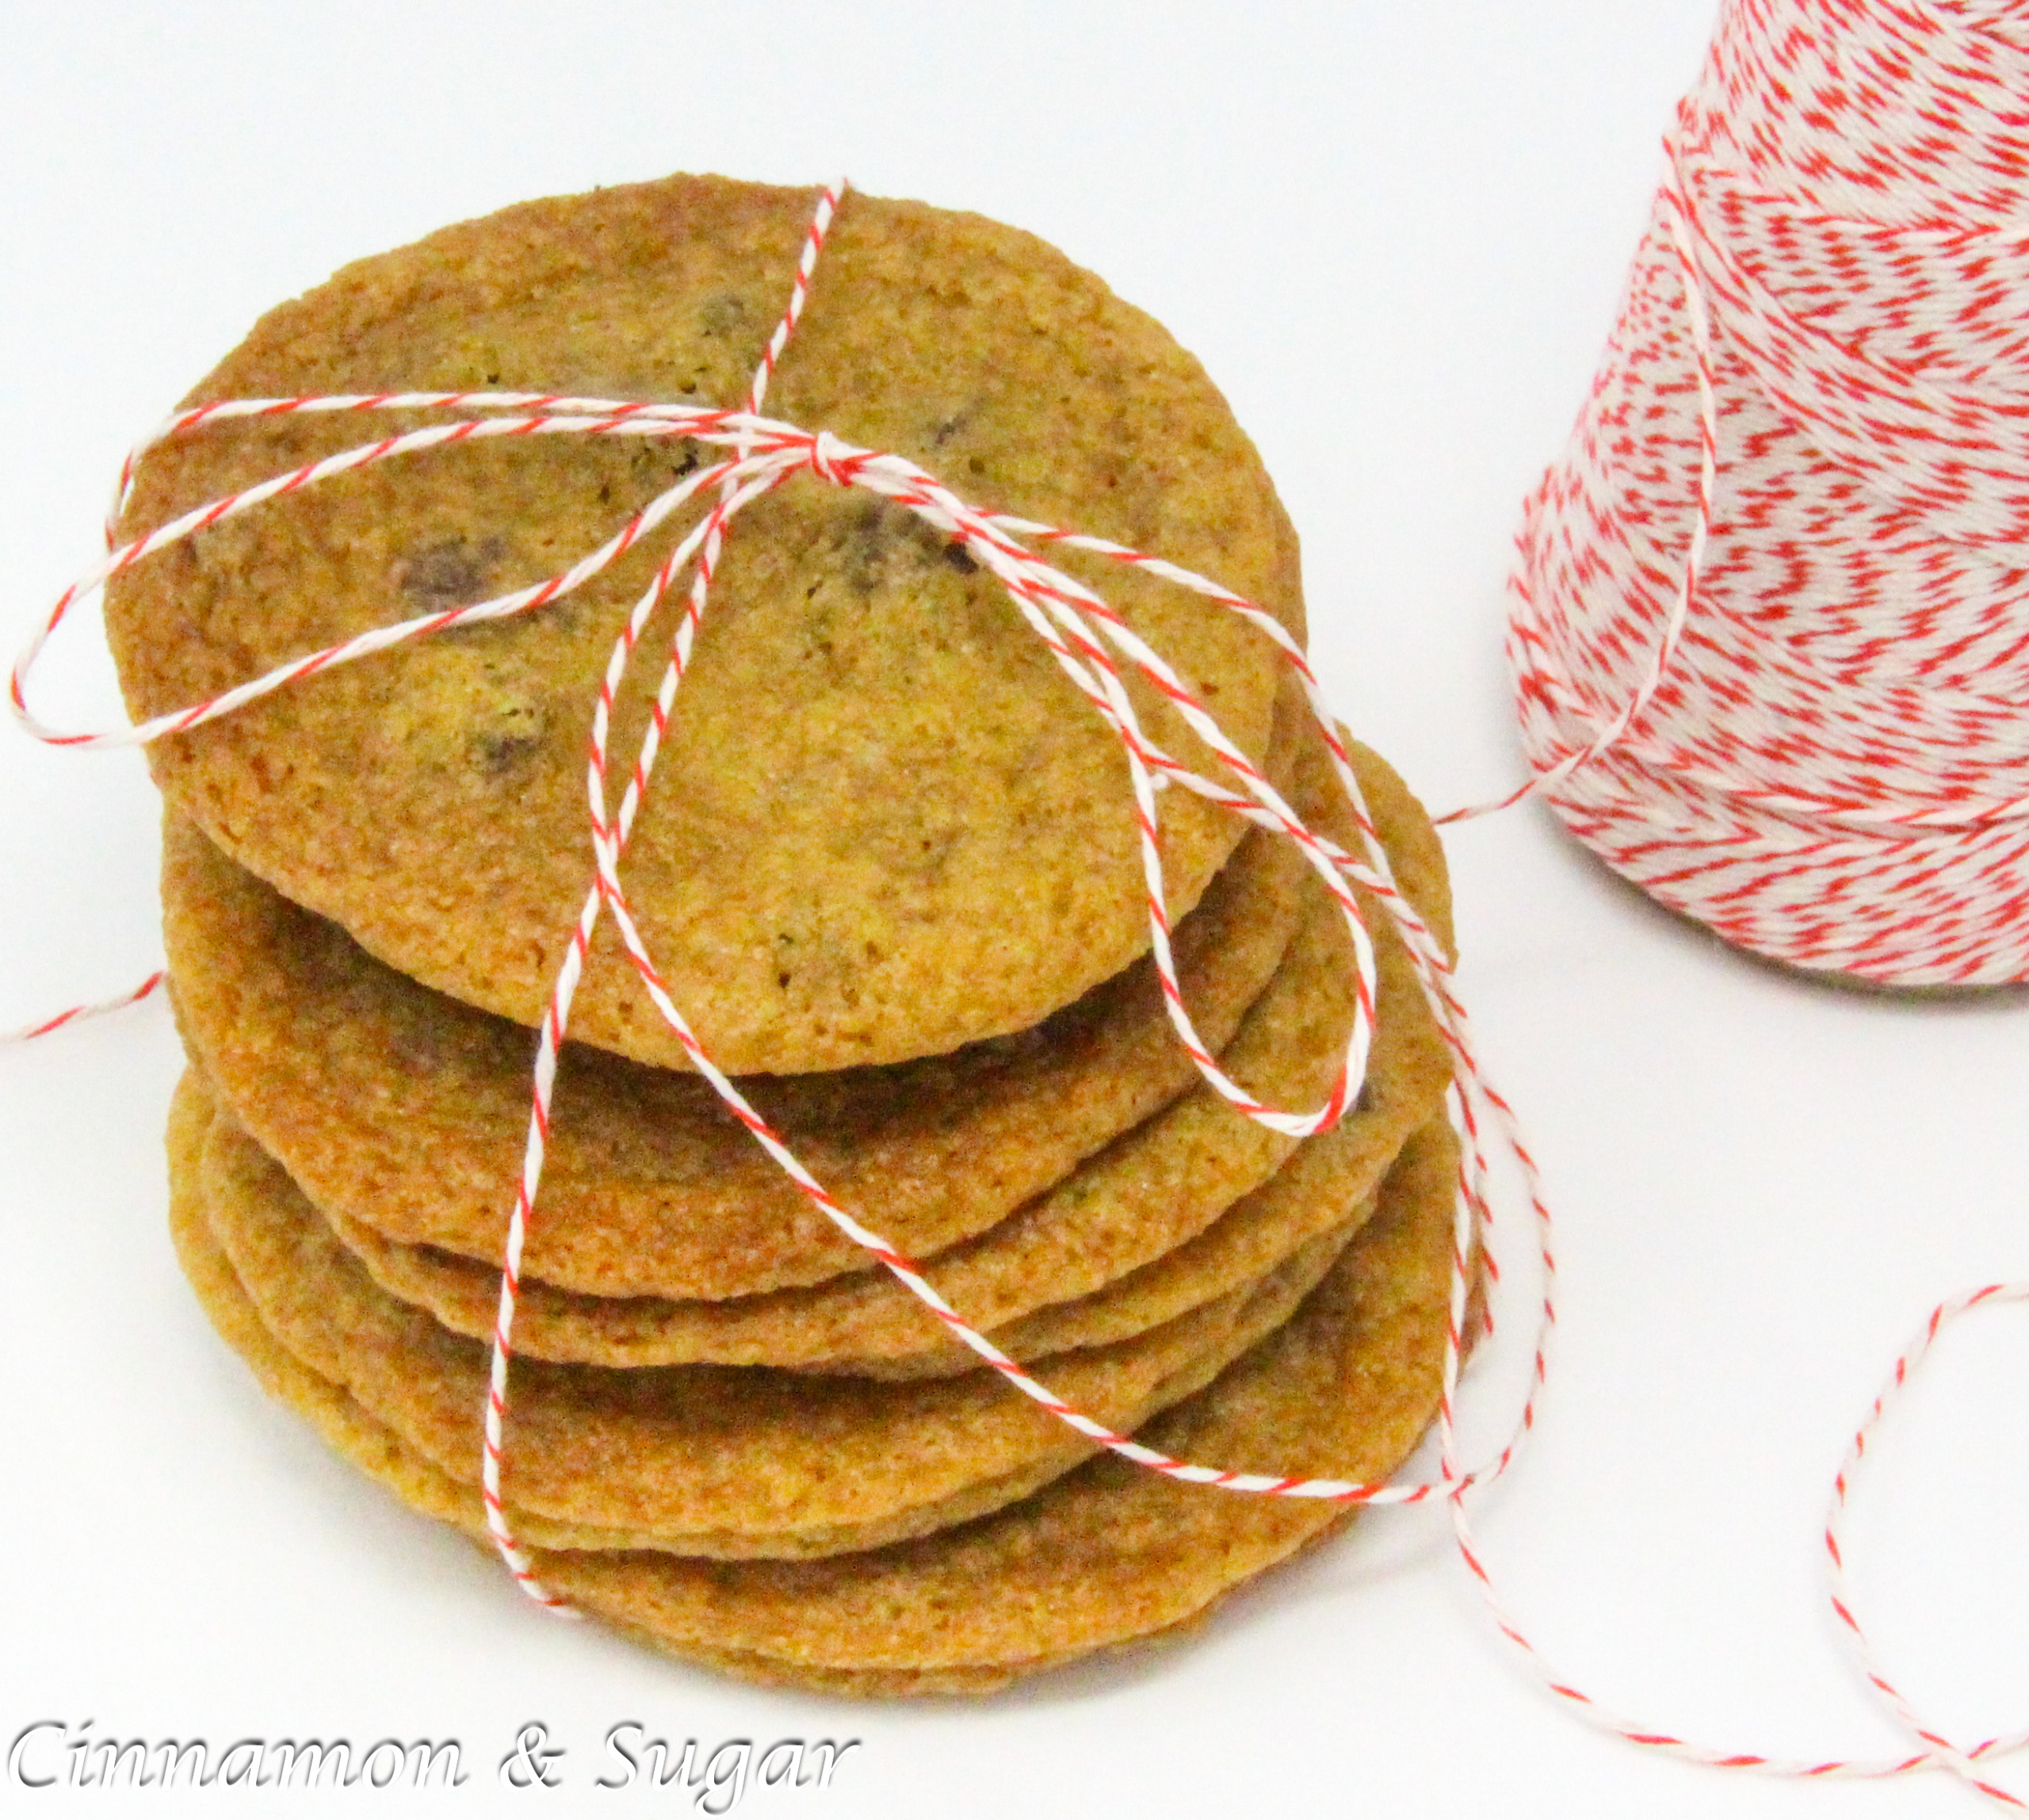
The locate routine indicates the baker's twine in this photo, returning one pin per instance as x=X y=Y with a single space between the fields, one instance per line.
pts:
x=1771 y=625
x=1771 y=630
x=1088 y=640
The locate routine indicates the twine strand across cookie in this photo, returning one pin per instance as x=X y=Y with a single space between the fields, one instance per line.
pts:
x=1091 y=644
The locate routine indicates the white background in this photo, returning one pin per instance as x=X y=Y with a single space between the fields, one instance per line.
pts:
x=1394 y=234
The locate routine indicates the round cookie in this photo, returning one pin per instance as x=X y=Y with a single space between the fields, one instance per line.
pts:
x=404 y=1113
x=1136 y=1215
x=1105 y=1556
x=1310 y=1194
x=884 y=824
x=700 y=1459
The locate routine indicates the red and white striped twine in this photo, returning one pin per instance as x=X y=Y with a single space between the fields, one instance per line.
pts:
x=1089 y=642
x=1773 y=593
x=1762 y=644
x=1770 y=631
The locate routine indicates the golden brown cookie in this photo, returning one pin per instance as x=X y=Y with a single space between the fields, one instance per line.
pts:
x=1104 y=1556
x=639 y=1201
x=405 y=1112
x=1145 y=1214
x=885 y=824
x=811 y=1329
x=702 y=1460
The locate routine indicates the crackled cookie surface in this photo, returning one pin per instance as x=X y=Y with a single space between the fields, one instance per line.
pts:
x=402 y=1111
x=1169 y=1212
x=403 y=1116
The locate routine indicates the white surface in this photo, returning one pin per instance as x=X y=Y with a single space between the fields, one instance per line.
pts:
x=1394 y=234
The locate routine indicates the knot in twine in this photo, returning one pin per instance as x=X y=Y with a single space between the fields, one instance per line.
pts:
x=1770 y=636
x=833 y=461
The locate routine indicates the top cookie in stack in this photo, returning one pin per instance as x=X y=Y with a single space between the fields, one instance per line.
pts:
x=889 y=869
x=884 y=825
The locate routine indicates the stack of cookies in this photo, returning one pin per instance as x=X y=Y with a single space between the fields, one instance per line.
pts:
x=888 y=867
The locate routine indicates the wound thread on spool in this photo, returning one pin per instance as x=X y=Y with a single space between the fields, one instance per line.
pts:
x=1770 y=631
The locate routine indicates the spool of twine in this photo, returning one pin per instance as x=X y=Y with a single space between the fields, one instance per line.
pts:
x=1770 y=631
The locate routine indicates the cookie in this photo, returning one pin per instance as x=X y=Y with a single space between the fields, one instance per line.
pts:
x=403 y=1112
x=884 y=824
x=1144 y=1214
x=703 y=1460
x=811 y=1330
x=1104 y=1556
